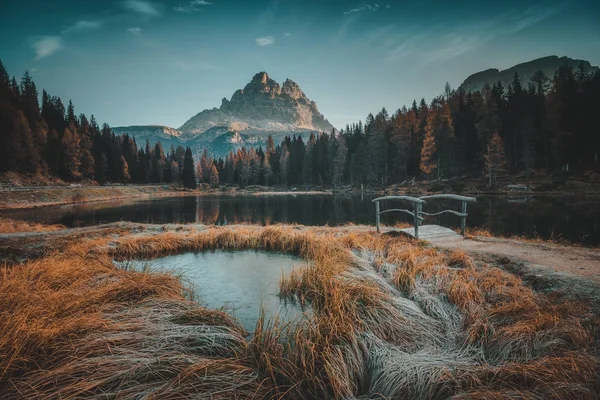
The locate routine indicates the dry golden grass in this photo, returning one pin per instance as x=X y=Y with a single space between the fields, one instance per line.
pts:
x=473 y=233
x=8 y=225
x=390 y=318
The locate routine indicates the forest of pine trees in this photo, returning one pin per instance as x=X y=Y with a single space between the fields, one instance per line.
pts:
x=53 y=141
x=549 y=123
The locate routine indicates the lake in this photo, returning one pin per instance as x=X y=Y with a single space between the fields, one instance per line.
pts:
x=569 y=218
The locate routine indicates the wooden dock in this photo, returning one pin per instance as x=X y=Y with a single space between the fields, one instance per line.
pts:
x=433 y=233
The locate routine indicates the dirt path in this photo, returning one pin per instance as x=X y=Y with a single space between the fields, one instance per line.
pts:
x=579 y=261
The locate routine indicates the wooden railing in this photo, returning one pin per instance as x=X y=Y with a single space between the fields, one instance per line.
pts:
x=418 y=212
x=462 y=214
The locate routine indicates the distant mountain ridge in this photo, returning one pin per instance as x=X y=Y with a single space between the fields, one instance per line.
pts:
x=526 y=70
x=261 y=108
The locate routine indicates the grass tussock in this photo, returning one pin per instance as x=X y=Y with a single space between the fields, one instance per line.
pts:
x=8 y=225
x=475 y=233
x=390 y=318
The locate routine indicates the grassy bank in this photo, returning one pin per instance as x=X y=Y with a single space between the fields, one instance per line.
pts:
x=57 y=195
x=8 y=225
x=391 y=318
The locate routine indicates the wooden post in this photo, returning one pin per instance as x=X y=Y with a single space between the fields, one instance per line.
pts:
x=417 y=209
x=377 y=215
x=463 y=219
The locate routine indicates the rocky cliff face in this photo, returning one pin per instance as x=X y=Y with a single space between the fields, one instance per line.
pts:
x=548 y=65
x=262 y=106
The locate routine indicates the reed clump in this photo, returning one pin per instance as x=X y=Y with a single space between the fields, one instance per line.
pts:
x=390 y=318
x=8 y=225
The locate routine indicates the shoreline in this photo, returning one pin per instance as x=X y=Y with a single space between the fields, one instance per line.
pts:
x=19 y=198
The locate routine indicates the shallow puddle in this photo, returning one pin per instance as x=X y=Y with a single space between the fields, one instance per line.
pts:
x=239 y=280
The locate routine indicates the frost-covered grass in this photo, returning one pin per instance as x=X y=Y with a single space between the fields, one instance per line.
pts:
x=390 y=318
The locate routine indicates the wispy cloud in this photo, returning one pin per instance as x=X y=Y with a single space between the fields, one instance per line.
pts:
x=192 y=6
x=287 y=34
x=135 y=31
x=46 y=46
x=444 y=44
x=265 y=41
x=145 y=8
x=83 y=25
x=366 y=7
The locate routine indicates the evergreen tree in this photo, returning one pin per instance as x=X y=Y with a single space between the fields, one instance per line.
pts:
x=495 y=159
x=214 y=176
x=283 y=165
x=102 y=169
x=189 y=178
x=267 y=171
x=70 y=155
x=429 y=153
x=199 y=173
x=125 y=176
x=339 y=160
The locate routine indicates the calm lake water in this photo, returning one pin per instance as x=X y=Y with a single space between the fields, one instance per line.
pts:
x=567 y=218
x=240 y=281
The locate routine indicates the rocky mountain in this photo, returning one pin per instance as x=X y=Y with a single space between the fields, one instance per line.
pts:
x=261 y=108
x=263 y=105
x=548 y=65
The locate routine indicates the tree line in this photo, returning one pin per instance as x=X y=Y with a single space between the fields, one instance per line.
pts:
x=52 y=140
x=551 y=124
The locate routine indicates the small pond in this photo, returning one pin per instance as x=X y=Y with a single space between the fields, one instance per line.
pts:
x=239 y=281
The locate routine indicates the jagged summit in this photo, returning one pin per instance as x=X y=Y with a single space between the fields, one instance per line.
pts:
x=262 y=105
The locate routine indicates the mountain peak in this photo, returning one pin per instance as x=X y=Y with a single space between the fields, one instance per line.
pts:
x=263 y=105
x=261 y=77
x=260 y=83
x=548 y=65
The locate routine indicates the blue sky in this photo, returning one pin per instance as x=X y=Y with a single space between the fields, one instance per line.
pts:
x=161 y=62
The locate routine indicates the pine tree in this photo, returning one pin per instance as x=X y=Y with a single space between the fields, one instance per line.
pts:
x=206 y=163
x=71 y=113
x=102 y=169
x=22 y=144
x=339 y=161
x=284 y=164
x=308 y=173
x=428 y=153
x=158 y=163
x=199 y=173
x=267 y=172
x=214 y=176
x=70 y=155
x=495 y=159
x=445 y=143
x=189 y=178
x=175 y=177
x=125 y=176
